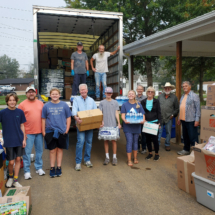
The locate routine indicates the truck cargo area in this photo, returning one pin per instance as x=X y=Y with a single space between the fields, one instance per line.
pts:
x=56 y=33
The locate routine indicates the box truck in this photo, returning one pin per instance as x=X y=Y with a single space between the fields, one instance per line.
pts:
x=56 y=32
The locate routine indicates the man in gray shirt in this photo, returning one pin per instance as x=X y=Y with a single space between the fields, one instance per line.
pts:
x=110 y=108
x=142 y=138
x=79 y=68
x=169 y=109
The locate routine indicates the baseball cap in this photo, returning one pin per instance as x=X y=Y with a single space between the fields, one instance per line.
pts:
x=30 y=88
x=79 y=44
x=108 y=90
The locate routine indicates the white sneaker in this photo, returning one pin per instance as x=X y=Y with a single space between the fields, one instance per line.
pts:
x=17 y=184
x=78 y=167
x=40 y=172
x=143 y=152
x=9 y=183
x=27 y=176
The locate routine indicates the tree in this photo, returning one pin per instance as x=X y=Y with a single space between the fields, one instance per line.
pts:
x=9 y=68
x=30 y=73
x=142 y=18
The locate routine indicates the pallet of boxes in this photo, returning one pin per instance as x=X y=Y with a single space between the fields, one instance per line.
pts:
x=13 y=200
x=196 y=172
x=55 y=70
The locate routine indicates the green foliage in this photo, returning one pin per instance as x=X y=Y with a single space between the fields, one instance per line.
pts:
x=30 y=74
x=9 y=68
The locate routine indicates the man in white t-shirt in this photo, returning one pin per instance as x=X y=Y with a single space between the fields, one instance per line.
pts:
x=101 y=68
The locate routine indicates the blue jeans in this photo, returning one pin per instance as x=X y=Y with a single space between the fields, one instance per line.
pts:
x=78 y=79
x=83 y=136
x=37 y=141
x=168 y=127
x=100 y=77
x=131 y=142
x=190 y=134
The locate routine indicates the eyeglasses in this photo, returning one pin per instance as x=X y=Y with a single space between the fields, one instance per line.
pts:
x=150 y=91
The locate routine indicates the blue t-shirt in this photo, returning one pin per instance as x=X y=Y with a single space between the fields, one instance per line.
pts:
x=56 y=115
x=11 y=121
x=127 y=107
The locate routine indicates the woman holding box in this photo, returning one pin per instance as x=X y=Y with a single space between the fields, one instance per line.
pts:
x=132 y=130
x=152 y=110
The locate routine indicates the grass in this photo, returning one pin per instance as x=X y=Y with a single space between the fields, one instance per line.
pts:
x=21 y=98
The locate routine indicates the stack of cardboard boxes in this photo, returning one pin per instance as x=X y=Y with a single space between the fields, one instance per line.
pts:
x=56 y=59
x=196 y=172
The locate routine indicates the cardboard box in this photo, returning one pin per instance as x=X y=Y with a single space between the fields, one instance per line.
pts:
x=185 y=168
x=68 y=93
x=204 y=162
x=2 y=181
x=53 y=53
x=68 y=80
x=44 y=65
x=207 y=122
x=54 y=61
x=91 y=119
x=17 y=198
x=44 y=57
x=210 y=95
x=67 y=62
x=68 y=69
x=26 y=191
x=64 y=53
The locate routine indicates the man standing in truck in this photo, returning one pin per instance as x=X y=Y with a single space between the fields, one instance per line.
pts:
x=79 y=67
x=101 y=69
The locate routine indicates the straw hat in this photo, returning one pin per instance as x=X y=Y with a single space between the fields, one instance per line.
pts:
x=169 y=85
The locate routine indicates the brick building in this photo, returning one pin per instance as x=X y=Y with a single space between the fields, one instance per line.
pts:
x=20 y=83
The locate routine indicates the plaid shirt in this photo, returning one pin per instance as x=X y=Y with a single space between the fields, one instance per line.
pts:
x=192 y=110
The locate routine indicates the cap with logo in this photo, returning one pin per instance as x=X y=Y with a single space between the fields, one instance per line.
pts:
x=108 y=90
x=79 y=44
x=30 y=88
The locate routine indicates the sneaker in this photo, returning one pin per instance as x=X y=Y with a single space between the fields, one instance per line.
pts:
x=52 y=172
x=78 y=167
x=58 y=172
x=114 y=162
x=143 y=152
x=183 y=152
x=27 y=176
x=40 y=172
x=88 y=164
x=156 y=157
x=9 y=183
x=16 y=184
x=106 y=162
x=149 y=156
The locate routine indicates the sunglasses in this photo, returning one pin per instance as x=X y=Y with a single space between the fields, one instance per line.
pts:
x=150 y=91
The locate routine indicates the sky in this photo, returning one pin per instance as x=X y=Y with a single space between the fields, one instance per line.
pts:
x=16 y=28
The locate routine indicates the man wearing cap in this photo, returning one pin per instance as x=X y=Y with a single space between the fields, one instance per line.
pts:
x=101 y=68
x=169 y=109
x=110 y=108
x=32 y=109
x=79 y=68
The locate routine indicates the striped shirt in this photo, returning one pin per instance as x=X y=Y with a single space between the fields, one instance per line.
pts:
x=192 y=107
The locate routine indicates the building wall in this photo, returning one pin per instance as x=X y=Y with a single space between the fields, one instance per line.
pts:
x=22 y=87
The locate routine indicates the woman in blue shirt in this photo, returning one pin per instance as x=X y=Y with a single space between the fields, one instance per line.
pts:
x=152 y=109
x=132 y=131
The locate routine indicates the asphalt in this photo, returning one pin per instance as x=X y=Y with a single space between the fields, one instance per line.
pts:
x=111 y=189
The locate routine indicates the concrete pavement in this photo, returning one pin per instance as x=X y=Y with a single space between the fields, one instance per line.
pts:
x=111 y=190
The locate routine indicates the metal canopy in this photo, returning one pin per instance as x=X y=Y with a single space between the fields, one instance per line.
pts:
x=197 y=36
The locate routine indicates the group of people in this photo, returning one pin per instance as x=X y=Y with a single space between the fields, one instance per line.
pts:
x=25 y=126
x=80 y=68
